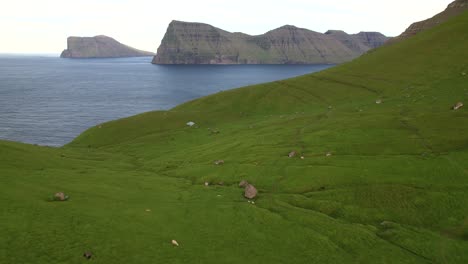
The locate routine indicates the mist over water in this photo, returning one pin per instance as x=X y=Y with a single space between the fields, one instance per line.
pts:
x=49 y=101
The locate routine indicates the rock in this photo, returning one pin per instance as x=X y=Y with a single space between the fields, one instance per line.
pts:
x=250 y=191
x=175 y=243
x=99 y=47
x=190 y=124
x=88 y=254
x=388 y=224
x=243 y=183
x=219 y=162
x=60 y=196
x=221 y=183
x=378 y=101
x=457 y=106
x=328 y=154
x=207 y=183
x=292 y=154
x=302 y=157
x=148 y=210
x=198 y=43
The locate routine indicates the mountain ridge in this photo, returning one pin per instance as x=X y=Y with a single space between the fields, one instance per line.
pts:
x=453 y=9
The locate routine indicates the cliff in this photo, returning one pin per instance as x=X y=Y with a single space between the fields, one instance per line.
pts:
x=198 y=43
x=454 y=9
x=99 y=47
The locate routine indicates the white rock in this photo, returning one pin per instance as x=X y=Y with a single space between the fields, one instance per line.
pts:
x=190 y=124
x=175 y=243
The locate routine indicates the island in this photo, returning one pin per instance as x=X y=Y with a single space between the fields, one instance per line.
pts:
x=99 y=47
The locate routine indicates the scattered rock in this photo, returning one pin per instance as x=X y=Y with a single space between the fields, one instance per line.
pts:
x=292 y=154
x=213 y=131
x=219 y=162
x=88 y=254
x=457 y=106
x=190 y=124
x=250 y=191
x=378 y=101
x=388 y=224
x=243 y=183
x=175 y=243
x=60 y=196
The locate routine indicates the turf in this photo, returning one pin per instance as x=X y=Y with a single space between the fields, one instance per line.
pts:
x=394 y=190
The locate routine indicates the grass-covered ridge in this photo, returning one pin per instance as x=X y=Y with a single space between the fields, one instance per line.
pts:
x=395 y=189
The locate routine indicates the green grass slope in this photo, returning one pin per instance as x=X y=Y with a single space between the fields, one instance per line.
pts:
x=394 y=190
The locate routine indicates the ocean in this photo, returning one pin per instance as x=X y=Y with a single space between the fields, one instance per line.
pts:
x=47 y=100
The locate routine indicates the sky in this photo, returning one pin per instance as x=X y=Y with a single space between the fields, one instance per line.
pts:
x=42 y=26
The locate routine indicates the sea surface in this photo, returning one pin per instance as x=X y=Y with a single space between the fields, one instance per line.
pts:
x=46 y=100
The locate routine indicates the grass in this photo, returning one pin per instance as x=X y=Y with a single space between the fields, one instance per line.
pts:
x=395 y=189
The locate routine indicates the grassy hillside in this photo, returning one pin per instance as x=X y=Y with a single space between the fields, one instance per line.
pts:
x=394 y=190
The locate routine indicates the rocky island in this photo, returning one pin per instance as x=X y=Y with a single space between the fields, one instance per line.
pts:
x=99 y=47
x=198 y=43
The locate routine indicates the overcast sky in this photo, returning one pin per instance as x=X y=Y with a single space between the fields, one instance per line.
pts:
x=42 y=26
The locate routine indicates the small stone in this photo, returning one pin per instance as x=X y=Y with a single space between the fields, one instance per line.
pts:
x=219 y=162
x=148 y=210
x=302 y=157
x=250 y=191
x=207 y=183
x=378 y=101
x=329 y=154
x=175 y=243
x=457 y=106
x=292 y=154
x=190 y=124
x=243 y=183
x=88 y=254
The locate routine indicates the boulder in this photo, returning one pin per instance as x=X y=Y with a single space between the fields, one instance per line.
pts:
x=219 y=162
x=243 y=183
x=457 y=106
x=60 y=196
x=88 y=254
x=250 y=191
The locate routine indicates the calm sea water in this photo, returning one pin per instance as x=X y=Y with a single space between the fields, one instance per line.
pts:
x=49 y=101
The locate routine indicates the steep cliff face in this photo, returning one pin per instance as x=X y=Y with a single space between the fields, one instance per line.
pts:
x=198 y=43
x=99 y=47
x=454 y=9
